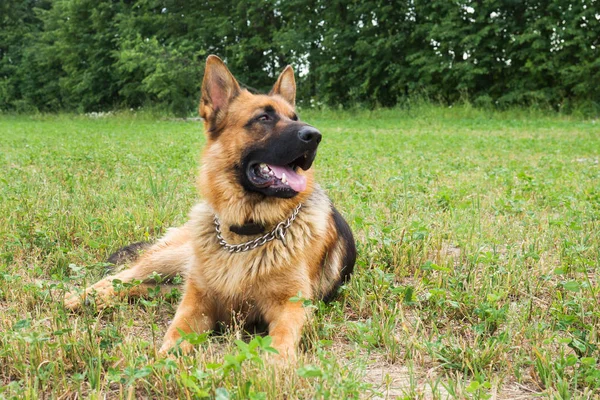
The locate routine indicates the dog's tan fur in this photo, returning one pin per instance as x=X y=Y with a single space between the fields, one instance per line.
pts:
x=258 y=283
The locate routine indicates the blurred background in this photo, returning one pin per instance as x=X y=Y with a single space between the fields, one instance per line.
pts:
x=99 y=55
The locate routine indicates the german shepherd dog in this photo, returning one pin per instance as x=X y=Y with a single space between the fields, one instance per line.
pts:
x=264 y=232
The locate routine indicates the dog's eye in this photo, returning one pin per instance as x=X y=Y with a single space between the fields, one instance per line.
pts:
x=264 y=117
x=294 y=117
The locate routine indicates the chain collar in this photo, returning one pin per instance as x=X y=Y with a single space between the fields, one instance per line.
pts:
x=277 y=233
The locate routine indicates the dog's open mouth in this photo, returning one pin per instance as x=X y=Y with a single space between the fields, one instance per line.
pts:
x=285 y=177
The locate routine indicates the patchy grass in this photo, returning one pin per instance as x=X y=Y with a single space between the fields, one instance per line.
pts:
x=479 y=253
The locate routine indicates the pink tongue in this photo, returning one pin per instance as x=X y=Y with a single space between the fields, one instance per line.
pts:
x=296 y=182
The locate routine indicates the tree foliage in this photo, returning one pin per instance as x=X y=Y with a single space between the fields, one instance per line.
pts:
x=89 y=55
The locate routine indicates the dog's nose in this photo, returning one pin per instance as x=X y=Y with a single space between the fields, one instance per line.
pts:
x=309 y=134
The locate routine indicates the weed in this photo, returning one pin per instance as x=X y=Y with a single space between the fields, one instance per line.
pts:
x=478 y=259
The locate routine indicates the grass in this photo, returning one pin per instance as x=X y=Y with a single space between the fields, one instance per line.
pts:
x=477 y=277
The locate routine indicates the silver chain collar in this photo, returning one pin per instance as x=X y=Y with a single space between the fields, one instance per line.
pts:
x=277 y=233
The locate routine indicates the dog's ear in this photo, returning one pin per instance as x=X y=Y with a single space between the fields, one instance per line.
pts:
x=286 y=86
x=219 y=87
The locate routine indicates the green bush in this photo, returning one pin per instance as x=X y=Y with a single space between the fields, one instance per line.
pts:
x=85 y=55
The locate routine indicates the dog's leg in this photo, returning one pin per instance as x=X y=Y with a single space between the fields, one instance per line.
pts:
x=148 y=289
x=196 y=313
x=286 y=321
x=104 y=292
x=168 y=257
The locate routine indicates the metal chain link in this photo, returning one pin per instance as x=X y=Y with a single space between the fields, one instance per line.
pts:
x=277 y=233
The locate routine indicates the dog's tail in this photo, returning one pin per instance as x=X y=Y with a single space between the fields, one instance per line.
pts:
x=169 y=256
x=128 y=254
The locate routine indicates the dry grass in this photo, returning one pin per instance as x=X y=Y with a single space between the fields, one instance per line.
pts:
x=477 y=274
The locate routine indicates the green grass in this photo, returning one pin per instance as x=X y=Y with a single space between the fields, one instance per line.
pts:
x=479 y=251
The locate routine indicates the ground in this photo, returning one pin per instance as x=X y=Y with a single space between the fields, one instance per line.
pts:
x=477 y=274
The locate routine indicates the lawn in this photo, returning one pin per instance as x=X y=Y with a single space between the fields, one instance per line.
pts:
x=478 y=240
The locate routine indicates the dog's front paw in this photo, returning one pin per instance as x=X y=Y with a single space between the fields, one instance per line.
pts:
x=285 y=356
x=172 y=348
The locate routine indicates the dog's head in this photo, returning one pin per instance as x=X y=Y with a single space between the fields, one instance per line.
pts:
x=256 y=145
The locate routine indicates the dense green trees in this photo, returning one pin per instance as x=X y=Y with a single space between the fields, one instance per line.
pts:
x=89 y=55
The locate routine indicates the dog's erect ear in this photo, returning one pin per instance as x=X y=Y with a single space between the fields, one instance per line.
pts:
x=286 y=86
x=219 y=87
